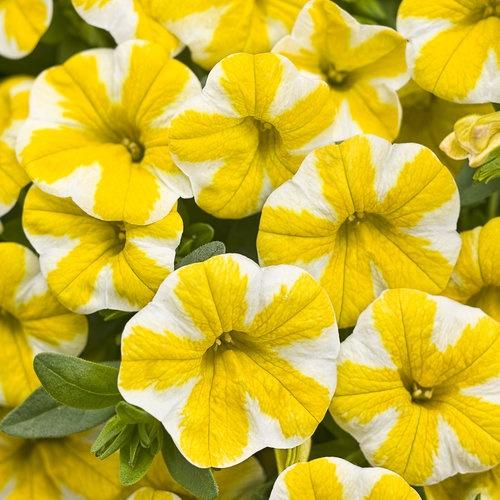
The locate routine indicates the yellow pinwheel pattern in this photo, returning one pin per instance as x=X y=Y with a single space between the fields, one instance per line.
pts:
x=328 y=478
x=98 y=131
x=221 y=357
x=249 y=131
x=364 y=66
x=418 y=385
x=455 y=47
x=92 y=264
x=364 y=216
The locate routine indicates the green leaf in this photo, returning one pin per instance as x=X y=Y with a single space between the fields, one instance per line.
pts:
x=40 y=416
x=472 y=192
x=203 y=253
x=496 y=106
x=199 y=482
x=200 y=232
x=131 y=474
x=76 y=382
x=130 y=414
x=490 y=169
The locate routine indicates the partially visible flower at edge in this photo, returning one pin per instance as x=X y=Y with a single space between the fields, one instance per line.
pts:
x=14 y=105
x=31 y=321
x=22 y=25
x=335 y=478
x=476 y=277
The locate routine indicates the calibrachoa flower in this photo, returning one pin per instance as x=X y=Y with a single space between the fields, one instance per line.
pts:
x=482 y=486
x=56 y=469
x=31 y=321
x=364 y=216
x=248 y=132
x=418 y=386
x=476 y=278
x=363 y=66
x=427 y=120
x=330 y=477
x=22 y=24
x=14 y=97
x=214 y=29
x=91 y=264
x=455 y=46
x=222 y=356
x=98 y=131
x=134 y=19
x=474 y=138
x=147 y=493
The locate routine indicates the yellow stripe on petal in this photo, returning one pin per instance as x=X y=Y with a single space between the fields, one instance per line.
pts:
x=364 y=216
x=476 y=278
x=22 y=24
x=256 y=120
x=418 y=383
x=135 y=19
x=14 y=105
x=214 y=29
x=31 y=321
x=98 y=132
x=92 y=264
x=455 y=46
x=336 y=478
x=221 y=357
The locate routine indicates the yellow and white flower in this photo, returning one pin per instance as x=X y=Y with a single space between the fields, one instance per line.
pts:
x=482 y=486
x=14 y=100
x=222 y=357
x=334 y=478
x=475 y=137
x=248 y=132
x=455 y=47
x=56 y=469
x=132 y=19
x=418 y=386
x=31 y=321
x=428 y=120
x=476 y=278
x=364 y=216
x=214 y=29
x=98 y=131
x=22 y=24
x=147 y=493
x=92 y=264
x=364 y=66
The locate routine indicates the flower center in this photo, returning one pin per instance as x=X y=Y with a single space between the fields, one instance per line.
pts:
x=333 y=76
x=120 y=233
x=356 y=217
x=135 y=148
x=420 y=394
x=268 y=135
x=492 y=8
x=9 y=320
